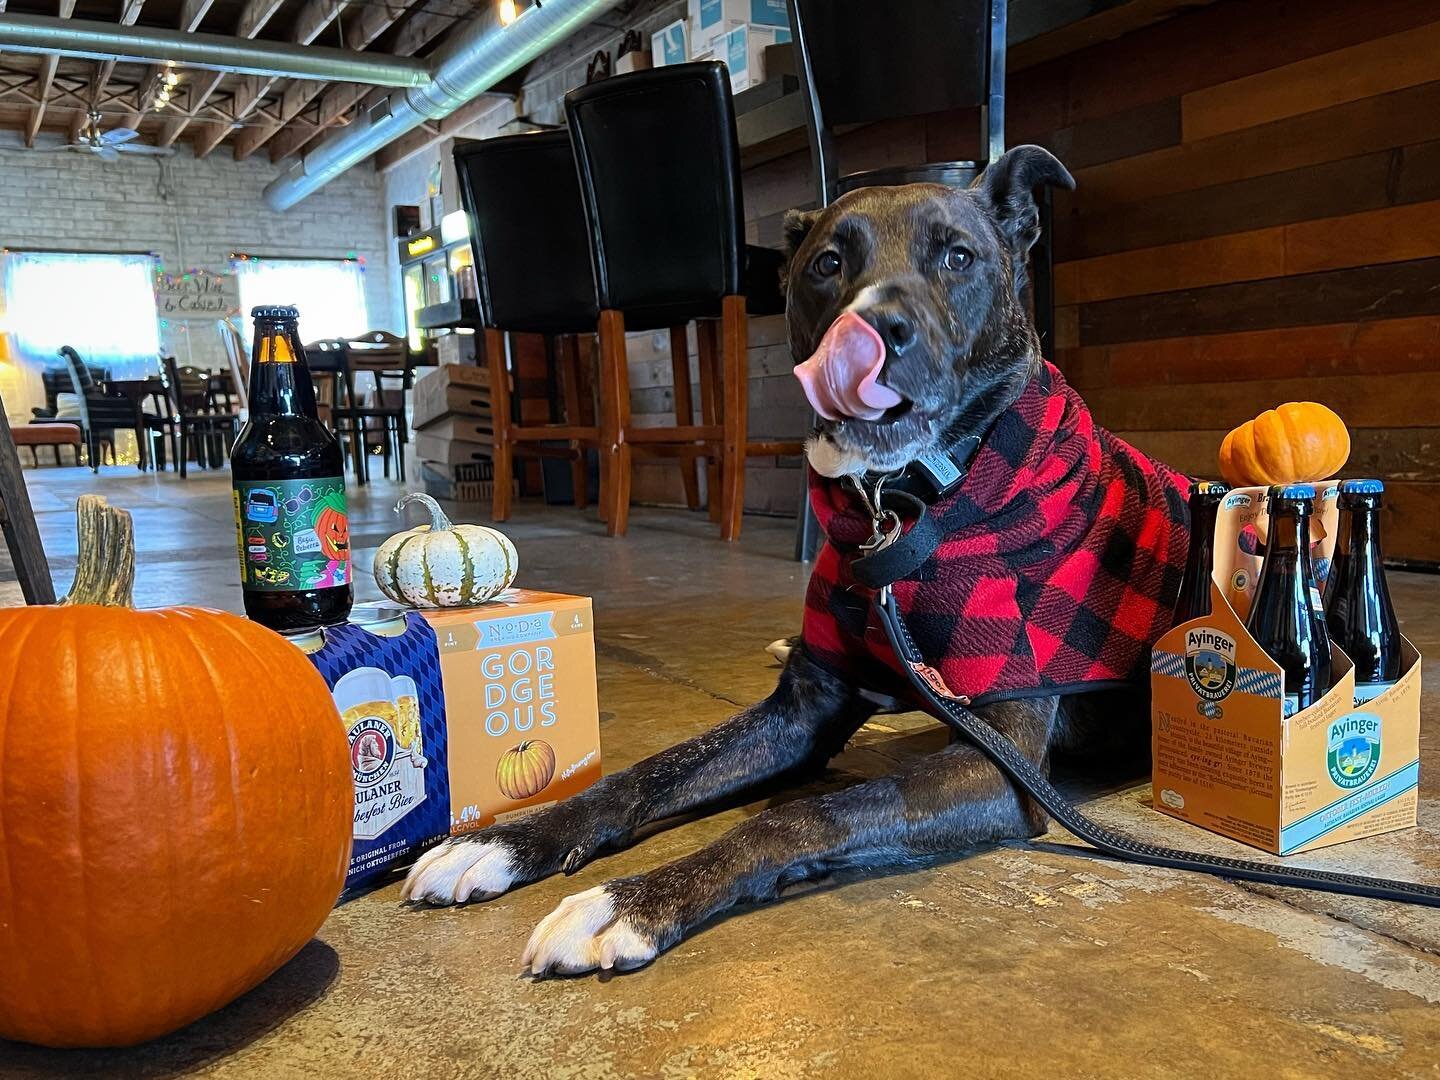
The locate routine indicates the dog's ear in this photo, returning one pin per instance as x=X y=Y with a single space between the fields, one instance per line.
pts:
x=1008 y=187
x=798 y=224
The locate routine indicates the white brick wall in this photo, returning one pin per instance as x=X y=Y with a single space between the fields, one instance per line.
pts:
x=193 y=212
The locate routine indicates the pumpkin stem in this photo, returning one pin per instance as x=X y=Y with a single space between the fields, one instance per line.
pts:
x=105 y=568
x=438 y=521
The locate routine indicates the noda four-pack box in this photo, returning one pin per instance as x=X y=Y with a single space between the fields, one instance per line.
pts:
x=459 y=717
x=1225 y=756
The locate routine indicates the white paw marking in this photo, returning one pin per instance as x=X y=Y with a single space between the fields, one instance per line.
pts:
x=583 y=934
x=460 y=870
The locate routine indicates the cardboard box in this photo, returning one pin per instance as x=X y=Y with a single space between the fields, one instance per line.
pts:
x=1225 y=756
x=744 y=53
x=475 y=430
x=467 y=482
x=636 y=60
x=707 y=17
x=671 y=44
x=523 y=718
x=431 y=447
x=454 y=388
x=383 y=669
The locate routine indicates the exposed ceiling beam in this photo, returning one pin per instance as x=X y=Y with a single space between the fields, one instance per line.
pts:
x=129 y=15
x=415 y=33
x=374 y=20
x=192 y=14
x=410 y=144
x=252 y=20
x=312 y=20
x=48 y=64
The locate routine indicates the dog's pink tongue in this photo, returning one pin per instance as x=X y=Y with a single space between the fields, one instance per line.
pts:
x=840 y=378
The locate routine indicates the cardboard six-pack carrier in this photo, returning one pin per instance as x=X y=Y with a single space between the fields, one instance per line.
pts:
x=1225 y=755
x=459 y=717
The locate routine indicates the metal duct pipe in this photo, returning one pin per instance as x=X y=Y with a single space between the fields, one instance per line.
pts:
x=475 y=58
x=110 y=41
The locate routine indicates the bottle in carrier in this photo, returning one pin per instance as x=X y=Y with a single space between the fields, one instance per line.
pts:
x=1358 y=611
x=1288 y=619
x=1194 y=602
x=289 y=488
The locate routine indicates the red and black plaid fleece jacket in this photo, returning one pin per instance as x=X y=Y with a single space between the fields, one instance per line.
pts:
x=1062 y=558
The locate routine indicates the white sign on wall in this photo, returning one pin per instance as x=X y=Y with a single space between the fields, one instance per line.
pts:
x=196 y=296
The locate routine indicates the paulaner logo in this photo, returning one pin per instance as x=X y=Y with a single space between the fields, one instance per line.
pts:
x=1210 y=662
x=1352 y=750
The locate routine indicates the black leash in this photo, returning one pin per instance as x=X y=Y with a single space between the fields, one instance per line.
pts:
x=896 y=553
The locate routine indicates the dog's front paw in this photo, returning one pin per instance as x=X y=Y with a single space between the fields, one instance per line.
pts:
x=461 y=869
x=585 y=933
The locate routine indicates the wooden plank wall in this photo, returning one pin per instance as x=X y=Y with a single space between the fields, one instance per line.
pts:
x=1257 y=220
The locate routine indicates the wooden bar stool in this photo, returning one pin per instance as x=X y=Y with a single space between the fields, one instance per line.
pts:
x=532 y=270
x=659 y=170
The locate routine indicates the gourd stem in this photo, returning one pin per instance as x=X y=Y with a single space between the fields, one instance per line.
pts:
x=438 y=521
x=105 y=567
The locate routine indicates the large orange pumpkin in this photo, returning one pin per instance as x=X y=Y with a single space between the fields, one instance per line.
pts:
x=1300 y=442
x=525 y=769
x=175 y=816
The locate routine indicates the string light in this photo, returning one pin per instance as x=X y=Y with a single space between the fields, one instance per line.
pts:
x=508 y=12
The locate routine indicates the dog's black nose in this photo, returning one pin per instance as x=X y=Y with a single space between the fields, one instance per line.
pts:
x=896 y=329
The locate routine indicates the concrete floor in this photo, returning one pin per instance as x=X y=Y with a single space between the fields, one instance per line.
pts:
x=1026 y=959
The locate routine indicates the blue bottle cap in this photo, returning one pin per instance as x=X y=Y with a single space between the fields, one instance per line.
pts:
x=1293 y=491
x=1362 y=487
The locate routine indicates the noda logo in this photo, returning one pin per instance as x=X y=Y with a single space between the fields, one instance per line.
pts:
x=1352 y=750
x=1210 y=663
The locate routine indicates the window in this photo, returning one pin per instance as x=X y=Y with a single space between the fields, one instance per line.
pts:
x=330 y=293
x=102 y=306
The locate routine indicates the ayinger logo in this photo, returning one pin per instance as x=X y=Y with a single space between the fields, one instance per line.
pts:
x=1210 y=663
x=1352 y=750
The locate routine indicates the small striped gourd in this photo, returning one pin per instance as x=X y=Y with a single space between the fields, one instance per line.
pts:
x=443 y=564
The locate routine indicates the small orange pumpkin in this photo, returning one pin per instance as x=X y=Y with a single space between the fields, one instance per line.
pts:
x=169 y=836
x=1300 y=442
x=525 y=769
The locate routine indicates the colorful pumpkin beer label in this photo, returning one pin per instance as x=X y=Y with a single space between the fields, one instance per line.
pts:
x=293 y=535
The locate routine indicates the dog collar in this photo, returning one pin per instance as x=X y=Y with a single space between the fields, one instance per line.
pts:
x=931 y=476
x=895 y=552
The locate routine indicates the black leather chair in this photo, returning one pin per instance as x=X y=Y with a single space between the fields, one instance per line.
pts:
x=532 y=270
x=659 y=170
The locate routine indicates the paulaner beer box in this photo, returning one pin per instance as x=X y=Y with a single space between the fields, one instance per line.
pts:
x=459 y=717
x=383 y=669
x=1225 y=755
x=524 y=721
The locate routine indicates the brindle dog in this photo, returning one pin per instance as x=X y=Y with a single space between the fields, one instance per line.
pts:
x=939 y=273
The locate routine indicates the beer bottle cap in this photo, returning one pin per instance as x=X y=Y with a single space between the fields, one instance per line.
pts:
x=1361 y=487
x=1293 y=491
x=275 y=311
x=1209 y=487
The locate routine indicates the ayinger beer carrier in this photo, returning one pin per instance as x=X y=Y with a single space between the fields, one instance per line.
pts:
x=1226 y=756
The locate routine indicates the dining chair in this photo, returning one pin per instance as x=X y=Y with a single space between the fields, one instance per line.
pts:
x=101 y=414
x=194 y=419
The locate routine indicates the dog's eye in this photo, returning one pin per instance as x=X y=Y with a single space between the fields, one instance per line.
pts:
x=827 y=264
x=958 y=258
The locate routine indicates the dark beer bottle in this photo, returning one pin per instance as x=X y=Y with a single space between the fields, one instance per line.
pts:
x=1358 y=611
x=1205 y=499
x=1288 y=620
x=289 y=481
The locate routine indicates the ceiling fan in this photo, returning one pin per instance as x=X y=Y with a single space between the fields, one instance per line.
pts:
x=109 y=145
